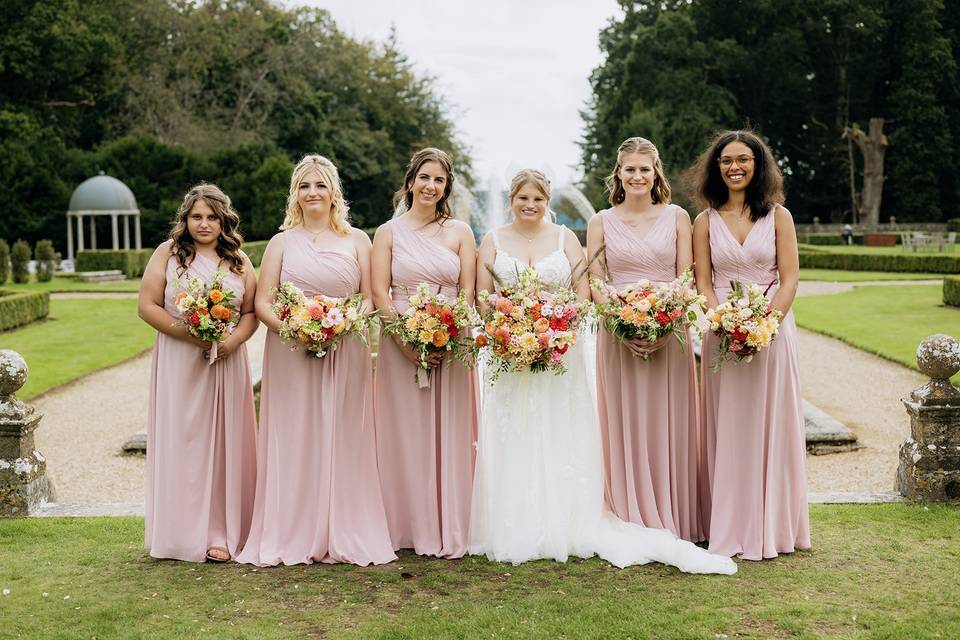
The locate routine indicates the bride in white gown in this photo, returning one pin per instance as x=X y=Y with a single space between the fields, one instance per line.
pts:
x=538 y=488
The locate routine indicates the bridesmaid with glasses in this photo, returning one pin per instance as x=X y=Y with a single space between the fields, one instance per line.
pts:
x=753 y=491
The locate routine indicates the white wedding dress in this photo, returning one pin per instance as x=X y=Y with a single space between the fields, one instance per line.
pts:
x=538 y=488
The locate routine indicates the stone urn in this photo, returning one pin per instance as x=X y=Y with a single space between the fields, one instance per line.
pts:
x=930 y=458
x=23 y=480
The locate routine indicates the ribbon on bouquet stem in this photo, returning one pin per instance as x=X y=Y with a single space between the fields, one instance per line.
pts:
x=213 y=353
x=423 y=378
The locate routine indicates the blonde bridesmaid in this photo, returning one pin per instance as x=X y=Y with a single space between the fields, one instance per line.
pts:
x=646 y=391
x=754 y=492
x=201 y=425
x=318 y=497
x=425 y=435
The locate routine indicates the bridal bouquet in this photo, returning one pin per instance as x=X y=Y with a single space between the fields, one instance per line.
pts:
x=432 y=323
x=317 y=323
x=745 y=323
x=529 y=326
x=207 y=310
x=649 y=310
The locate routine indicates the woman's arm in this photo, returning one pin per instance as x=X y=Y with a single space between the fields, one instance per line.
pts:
x=248 y=323
x=684 y=242
x=788 y=260
x=362 y=249
x=468 y=261
x=150 y=300
x=702 y=268
x=270 y=267
x=574 y=252
x=598 y=266
x=485 y=257
x=381 y=258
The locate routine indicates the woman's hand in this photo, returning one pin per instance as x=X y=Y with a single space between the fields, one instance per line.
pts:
x=413 y=355
x=224 y=348
x=645 y=348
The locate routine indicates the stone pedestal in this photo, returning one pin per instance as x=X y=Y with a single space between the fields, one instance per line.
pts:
x=23 y=480
x=930 y=458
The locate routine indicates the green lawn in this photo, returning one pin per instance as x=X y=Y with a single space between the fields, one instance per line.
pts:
x=876 y=571
x=888 y=321
x=65 y=284
x=859 y=248
x=80 y=336
x=834 y=275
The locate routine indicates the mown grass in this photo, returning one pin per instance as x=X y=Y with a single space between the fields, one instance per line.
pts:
x=71 y=284
x=887 y=321
x=80 y=336
x=876 y=571
x=834 y=275
x=860 y=249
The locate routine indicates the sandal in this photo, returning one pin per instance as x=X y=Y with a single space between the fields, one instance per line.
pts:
x=213 y=558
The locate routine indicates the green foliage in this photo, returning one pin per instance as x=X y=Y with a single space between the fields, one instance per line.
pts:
x=951 y=291
x=19 y=262
x=254 y=251
x=131 y=262
x=46 y=260
x=18 y=309
x=880 y=262
x=825 y=238
x=953 y=224
x=4 y=261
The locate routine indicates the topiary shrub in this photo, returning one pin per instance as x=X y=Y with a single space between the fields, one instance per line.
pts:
x=898 y=263
x=20 y=261
x=46 y=260
x=254 y=251
x=953 y=224
x=18 y=309
x=4 y=261
x=951 y=291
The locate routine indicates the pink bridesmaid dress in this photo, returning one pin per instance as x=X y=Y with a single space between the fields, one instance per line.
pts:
x=201 y=439
x=318 y=497
x=753 y=481
x=425 y=436
x=648 y=409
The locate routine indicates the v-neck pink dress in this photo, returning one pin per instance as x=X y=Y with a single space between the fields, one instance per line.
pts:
x=754 y=485
x=318 y=496
x=425 y=436
x=648 y=409
x=201 y=439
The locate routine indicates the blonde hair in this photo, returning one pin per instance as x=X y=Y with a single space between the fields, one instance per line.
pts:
x=404 y=196
x=529 y=176
x=331 y=177
x=661 y=188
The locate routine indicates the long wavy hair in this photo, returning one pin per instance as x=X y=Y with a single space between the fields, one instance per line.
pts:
x=404 y=195
x=229 y=240
x=765 y=188
x=661 y=188
x=331 y=177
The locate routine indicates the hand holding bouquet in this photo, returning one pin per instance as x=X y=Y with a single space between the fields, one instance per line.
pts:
x=648 y=311
x=207 y=310
x=435 y=323
x=745 y=323
x=529 y=326
x=317 y=323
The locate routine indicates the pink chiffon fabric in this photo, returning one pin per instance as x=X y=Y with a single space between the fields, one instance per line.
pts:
x=754 y=490
x=201 y=439
x=648 y=409
x=425 y=436
x=318 y=497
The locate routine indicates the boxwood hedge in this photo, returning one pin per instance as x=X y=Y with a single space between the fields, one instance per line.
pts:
x=18 y=309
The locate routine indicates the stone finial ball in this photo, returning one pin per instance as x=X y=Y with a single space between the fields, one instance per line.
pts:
x=13 y=372
x=938 y=356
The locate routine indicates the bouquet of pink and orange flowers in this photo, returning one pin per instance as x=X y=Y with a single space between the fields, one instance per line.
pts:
x=745 y=323
x=432 y=323
x=528 y=326
x=207 y=310
x=649 y=310
x=318 y=323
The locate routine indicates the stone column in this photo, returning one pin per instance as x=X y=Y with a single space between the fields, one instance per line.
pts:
x=930 y=457
x=114 y=233
x=126 y=231
x=93 y=232
x=23 y=480
x=69 y=238
x=80 y=246
x=136 y=231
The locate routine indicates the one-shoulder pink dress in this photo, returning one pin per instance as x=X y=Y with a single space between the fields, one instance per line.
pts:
x=648 y=409
x=201 y=439
x=318 y=496
x=425 y=436
x=754 y=485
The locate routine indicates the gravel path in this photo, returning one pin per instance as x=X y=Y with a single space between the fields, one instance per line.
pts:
x=816 y=288
x=85 y=424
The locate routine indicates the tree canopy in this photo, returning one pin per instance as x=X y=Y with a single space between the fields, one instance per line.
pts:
x=165 y=93
x=677 y=71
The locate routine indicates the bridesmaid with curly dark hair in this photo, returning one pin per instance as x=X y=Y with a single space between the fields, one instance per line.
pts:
x=201 y=425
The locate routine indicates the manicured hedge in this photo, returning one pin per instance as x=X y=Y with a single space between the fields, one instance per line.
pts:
x=254 y=251
x=826 y=238
x=953 y=224
x=898 y=263
x=18 y=309
x=131 y=262
x=951 y=291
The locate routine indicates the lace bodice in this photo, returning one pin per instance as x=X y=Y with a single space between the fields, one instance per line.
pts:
x=553 y=268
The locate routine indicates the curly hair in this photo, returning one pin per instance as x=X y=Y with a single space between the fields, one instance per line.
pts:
x=404 y=195
x=229 y=241
x=331 y=177
x=661 y=188
x=766 y=186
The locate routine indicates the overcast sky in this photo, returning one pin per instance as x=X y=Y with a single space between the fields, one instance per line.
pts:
x=513 y=72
